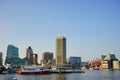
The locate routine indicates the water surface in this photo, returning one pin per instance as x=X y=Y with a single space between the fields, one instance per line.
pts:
x=88 y=75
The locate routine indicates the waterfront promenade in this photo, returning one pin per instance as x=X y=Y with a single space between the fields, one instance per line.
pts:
x=88 y=75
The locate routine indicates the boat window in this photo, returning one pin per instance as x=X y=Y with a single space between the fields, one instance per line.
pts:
x=29 y=68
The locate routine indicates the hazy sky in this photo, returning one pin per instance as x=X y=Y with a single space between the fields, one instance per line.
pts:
x=92 y=27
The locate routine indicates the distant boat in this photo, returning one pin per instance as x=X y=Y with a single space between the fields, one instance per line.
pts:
x=14 y=78
x=96 y=68
x=33 y=70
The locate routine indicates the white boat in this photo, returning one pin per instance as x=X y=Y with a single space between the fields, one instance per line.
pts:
x=33 y=70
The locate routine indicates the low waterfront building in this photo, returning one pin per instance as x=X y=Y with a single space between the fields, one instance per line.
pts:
x=107 y=61
x=84 y=65
x=95 y=64
x=116 y=65
x=75 y=61
x=18 y=61
x=105 y=65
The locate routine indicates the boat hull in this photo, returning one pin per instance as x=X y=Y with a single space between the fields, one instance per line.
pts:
x=26 y=73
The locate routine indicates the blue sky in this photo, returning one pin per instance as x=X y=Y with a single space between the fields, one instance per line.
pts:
x=92 y=27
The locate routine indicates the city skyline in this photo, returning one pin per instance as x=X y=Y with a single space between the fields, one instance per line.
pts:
x=92 y=27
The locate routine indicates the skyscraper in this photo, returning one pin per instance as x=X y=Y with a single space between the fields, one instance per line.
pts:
x=29 y=54
x=12 y=56
x=35 y=59
x=12 y=52
x=29 y=51
x=60 y=51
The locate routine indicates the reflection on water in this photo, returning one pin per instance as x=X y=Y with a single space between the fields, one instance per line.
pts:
x=60 y=77
x=88 y=75
x=102 y=75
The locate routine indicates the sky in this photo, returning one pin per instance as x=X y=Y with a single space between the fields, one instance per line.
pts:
x=91 y=27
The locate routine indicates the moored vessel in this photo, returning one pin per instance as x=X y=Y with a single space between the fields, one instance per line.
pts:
x=33 y=70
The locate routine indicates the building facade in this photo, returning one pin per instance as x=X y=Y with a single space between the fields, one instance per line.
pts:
x=12 y=52
x=33 y=58
x=60 y=51
x=47 y=57
x=12 y=56
x=29 y=54
x=75 y=61
x=107 y=61
x=116 y=65
x=95 y=63
x=1 y=60
x=29 y=51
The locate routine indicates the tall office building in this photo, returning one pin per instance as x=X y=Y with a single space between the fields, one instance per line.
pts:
x=29 y=54
x=29 y=51
x=12 y=56
x=46 y=57
x=60 y=51
x=1 y=58
x=12 y=52
x=35 y=59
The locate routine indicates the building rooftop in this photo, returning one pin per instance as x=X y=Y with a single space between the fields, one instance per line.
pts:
x=110 y=57
x=60 y=37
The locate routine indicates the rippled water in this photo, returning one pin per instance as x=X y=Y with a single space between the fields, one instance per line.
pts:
x=88 y=75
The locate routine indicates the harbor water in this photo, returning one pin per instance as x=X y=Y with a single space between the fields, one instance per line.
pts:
x=88 y=75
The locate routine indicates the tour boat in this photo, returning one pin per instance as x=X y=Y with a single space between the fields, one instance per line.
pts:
x=33 y=70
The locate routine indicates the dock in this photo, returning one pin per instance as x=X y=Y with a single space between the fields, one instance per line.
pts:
x=63 y=71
